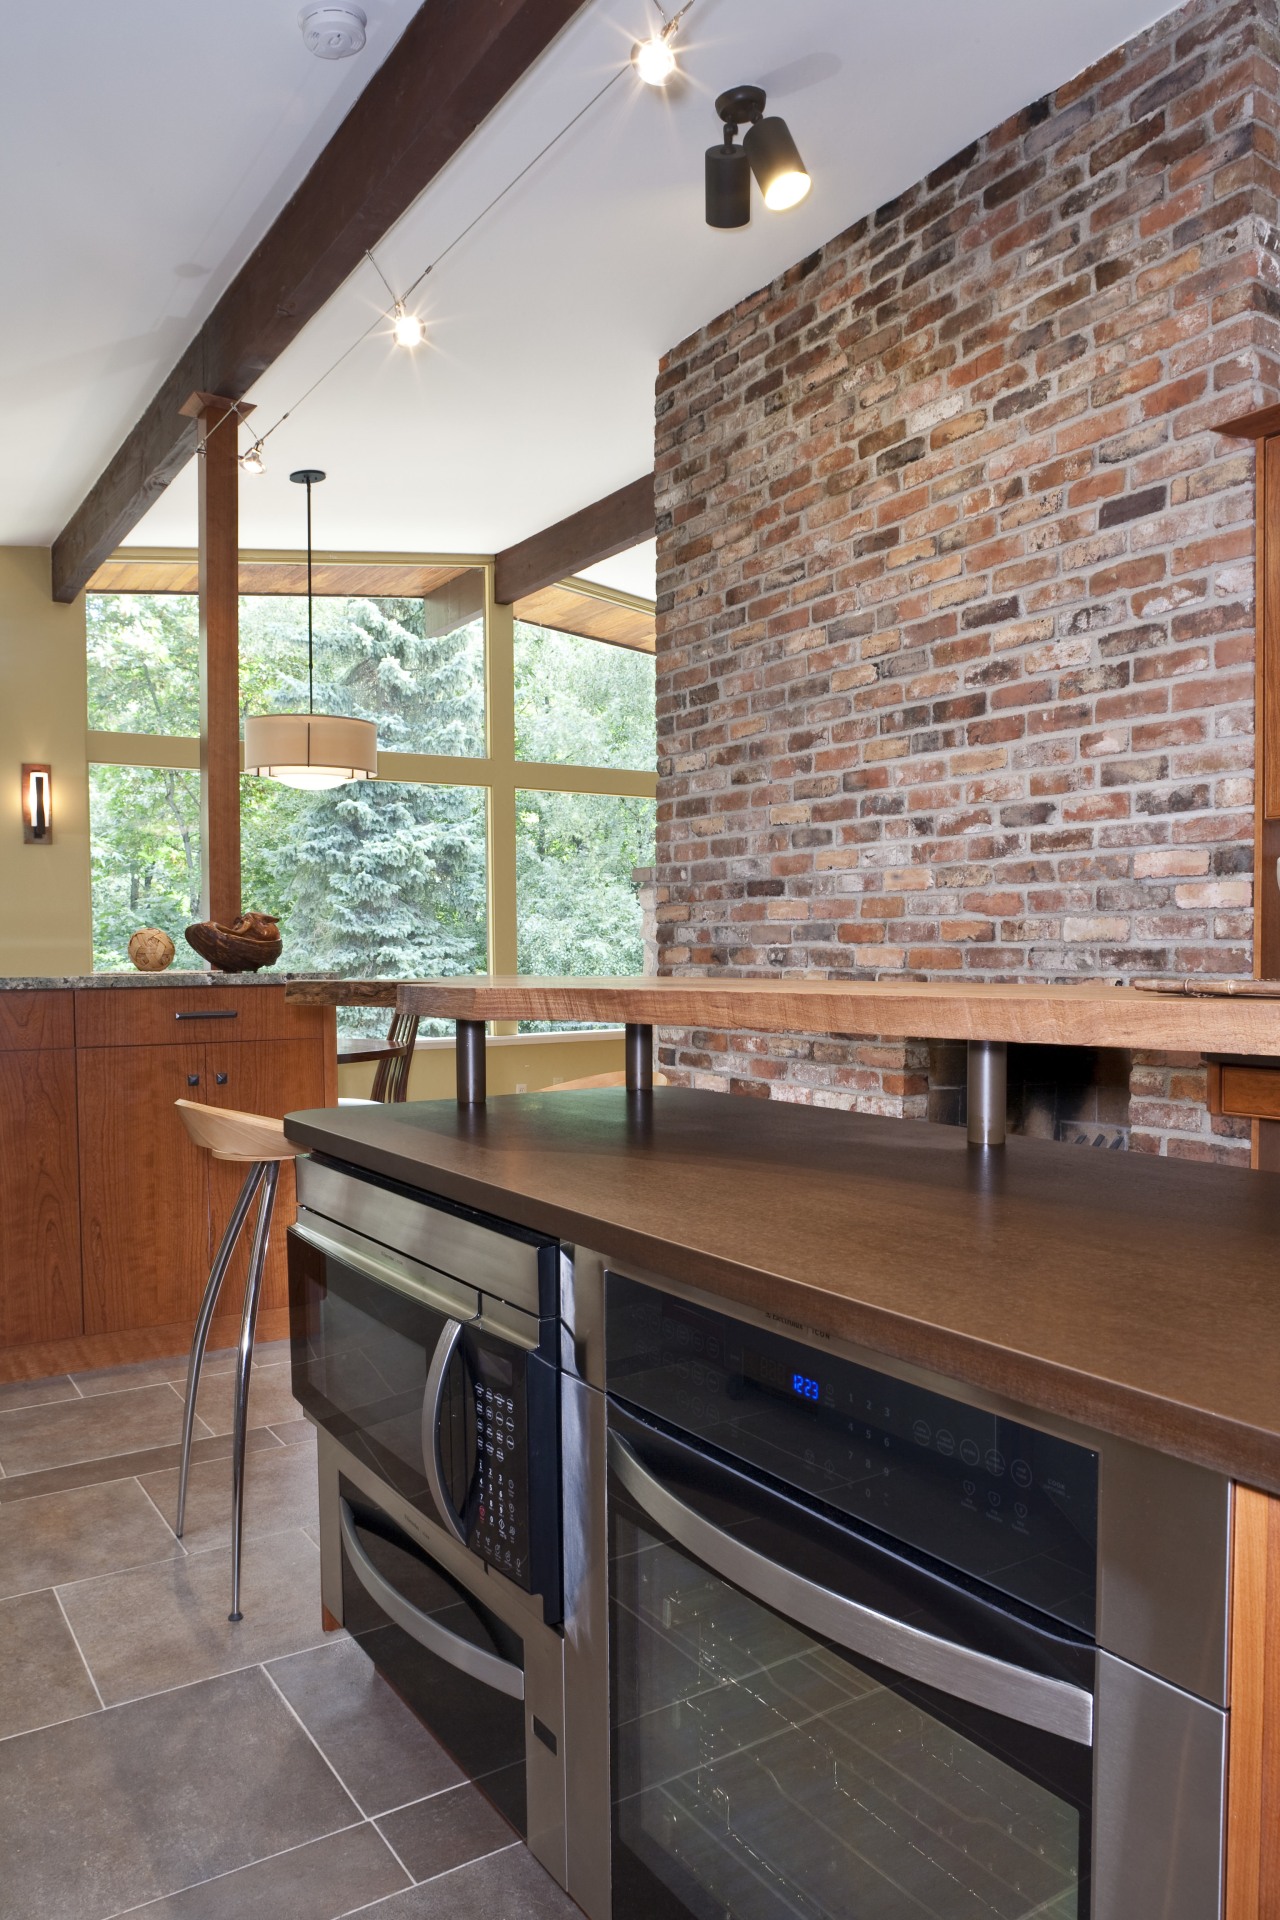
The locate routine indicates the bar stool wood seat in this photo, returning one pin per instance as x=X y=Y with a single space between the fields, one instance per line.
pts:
x=257 y=1142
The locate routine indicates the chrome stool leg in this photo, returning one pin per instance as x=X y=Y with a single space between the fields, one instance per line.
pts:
x=244 y=1358
x=213 y=1287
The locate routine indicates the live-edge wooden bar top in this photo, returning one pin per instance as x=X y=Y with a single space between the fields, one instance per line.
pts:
x=1085 y=1013
x=1139 y=1296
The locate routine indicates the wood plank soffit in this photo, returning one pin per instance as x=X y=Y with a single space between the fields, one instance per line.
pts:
x=621 y=520
x=450 y=68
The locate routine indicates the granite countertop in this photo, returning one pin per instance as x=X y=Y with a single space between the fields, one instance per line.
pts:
x=1139 y=1296
x=172 y=977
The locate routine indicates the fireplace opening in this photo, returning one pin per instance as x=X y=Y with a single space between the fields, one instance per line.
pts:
x=1076 y=1095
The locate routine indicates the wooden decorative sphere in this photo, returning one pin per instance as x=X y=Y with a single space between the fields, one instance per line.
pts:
x=151 y=950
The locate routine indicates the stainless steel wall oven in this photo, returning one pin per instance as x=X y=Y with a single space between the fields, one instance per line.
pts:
x=425 y=1348
x=881 y=1650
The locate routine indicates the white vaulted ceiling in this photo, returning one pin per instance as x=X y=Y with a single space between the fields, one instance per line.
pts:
x=149 y=168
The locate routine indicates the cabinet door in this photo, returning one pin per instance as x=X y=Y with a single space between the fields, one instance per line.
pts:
x=144 y=1188
x=262 y=1076
x=39 y=1199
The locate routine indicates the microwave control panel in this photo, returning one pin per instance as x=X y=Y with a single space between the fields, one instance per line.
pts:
x=499 y=1529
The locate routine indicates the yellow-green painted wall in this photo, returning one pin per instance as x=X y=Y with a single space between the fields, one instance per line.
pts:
x=514 y=1063
x=45 y=923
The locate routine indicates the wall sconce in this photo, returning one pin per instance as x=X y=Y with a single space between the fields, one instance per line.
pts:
x=37 y=804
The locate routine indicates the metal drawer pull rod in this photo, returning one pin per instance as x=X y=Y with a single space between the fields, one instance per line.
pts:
x=499 y=1674
x=212 y=1013
x=1031 y=1698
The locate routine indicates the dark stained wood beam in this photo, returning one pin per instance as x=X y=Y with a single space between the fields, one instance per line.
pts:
x=454 y=63
x=621 y=520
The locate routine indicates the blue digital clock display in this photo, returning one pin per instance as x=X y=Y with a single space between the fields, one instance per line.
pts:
x=805 y=1388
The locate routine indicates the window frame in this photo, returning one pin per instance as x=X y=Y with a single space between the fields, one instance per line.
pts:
x=498 y=771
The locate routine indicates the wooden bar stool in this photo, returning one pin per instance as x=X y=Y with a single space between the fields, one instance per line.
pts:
x=260 y=1144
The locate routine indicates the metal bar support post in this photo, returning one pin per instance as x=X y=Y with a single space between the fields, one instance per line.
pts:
x=469 y=1044
x=988 y=1092
x=639 y=1046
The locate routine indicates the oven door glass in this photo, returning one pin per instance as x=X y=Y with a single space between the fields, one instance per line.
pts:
x=763 y=1771
x=382 y=1368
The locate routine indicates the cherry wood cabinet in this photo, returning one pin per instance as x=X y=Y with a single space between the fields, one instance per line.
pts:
x=1253 y=1795
x=108 y=1214
x=39 y=1205
x=144 y=1188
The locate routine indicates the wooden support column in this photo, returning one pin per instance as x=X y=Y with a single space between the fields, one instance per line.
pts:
x=218 y=445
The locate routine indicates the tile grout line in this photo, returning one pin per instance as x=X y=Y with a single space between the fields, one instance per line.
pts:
x=323 y=1755
x=369 y=1905
x=179 y=1686
x=79 y=1649
x=122 y=1913
x=184 y=1551
x=98 y=1459
x=86 y=1579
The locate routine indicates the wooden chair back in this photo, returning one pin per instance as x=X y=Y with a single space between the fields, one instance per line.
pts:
x=391 y=1081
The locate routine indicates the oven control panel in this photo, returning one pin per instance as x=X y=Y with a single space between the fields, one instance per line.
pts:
x=499 y=1529
x=991 y=1496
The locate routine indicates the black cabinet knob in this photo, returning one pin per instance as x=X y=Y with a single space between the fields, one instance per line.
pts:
x=221 y=1079
x=193 y=1079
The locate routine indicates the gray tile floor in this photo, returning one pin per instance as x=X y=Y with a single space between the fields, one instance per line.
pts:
x=155 y=1759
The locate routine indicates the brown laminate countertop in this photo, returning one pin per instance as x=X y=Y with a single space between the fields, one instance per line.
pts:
x=1136 y=1295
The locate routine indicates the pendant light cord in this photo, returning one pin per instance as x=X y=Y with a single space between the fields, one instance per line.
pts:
x=311 y=642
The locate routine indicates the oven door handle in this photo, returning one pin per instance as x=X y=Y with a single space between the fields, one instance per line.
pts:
x=1033 y=1699
x=502 y=1675
x=450 y=1334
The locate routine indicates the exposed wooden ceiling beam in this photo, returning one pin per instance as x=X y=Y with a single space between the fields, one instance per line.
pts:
x=453 y=64
x=621 y=520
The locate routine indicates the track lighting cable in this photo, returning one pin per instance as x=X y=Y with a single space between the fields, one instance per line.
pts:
x=398 y=302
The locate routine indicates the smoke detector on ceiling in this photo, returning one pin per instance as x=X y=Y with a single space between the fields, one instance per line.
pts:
x=333 y=33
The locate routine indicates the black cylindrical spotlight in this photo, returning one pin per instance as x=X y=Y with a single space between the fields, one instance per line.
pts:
x=728 y=186
x=776 y=163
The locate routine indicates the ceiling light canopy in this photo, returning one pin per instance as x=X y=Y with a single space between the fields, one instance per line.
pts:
x=310 y=750
x=333 y=32
x=768 y=151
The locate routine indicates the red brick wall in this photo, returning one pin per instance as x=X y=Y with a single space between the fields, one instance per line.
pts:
x=955 y=617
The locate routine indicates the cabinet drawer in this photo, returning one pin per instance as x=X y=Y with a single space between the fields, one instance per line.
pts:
x=155 y=1016
x=1248 y=1093
x=32 y=1017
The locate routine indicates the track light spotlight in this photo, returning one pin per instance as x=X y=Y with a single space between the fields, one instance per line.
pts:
x=653 y=58
x=252 y=462
x=768 y=151
x=406 y=327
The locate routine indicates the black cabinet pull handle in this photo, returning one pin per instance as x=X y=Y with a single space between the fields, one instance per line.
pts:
x=213 y=1013
x=221 y=1079
x=193 y=1079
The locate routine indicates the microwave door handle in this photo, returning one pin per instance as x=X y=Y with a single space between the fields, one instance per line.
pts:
x=450 y=1334
x=1033 y=1699
x=502 y=1675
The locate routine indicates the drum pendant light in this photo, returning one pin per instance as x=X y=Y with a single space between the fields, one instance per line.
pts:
x=310 y=750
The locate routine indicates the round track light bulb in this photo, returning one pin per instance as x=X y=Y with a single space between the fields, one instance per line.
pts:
x=653 y=59
x=406 y=327
x=788 y=190
x=252 y=462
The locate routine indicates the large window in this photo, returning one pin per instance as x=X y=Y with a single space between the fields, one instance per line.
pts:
x=515 y=797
